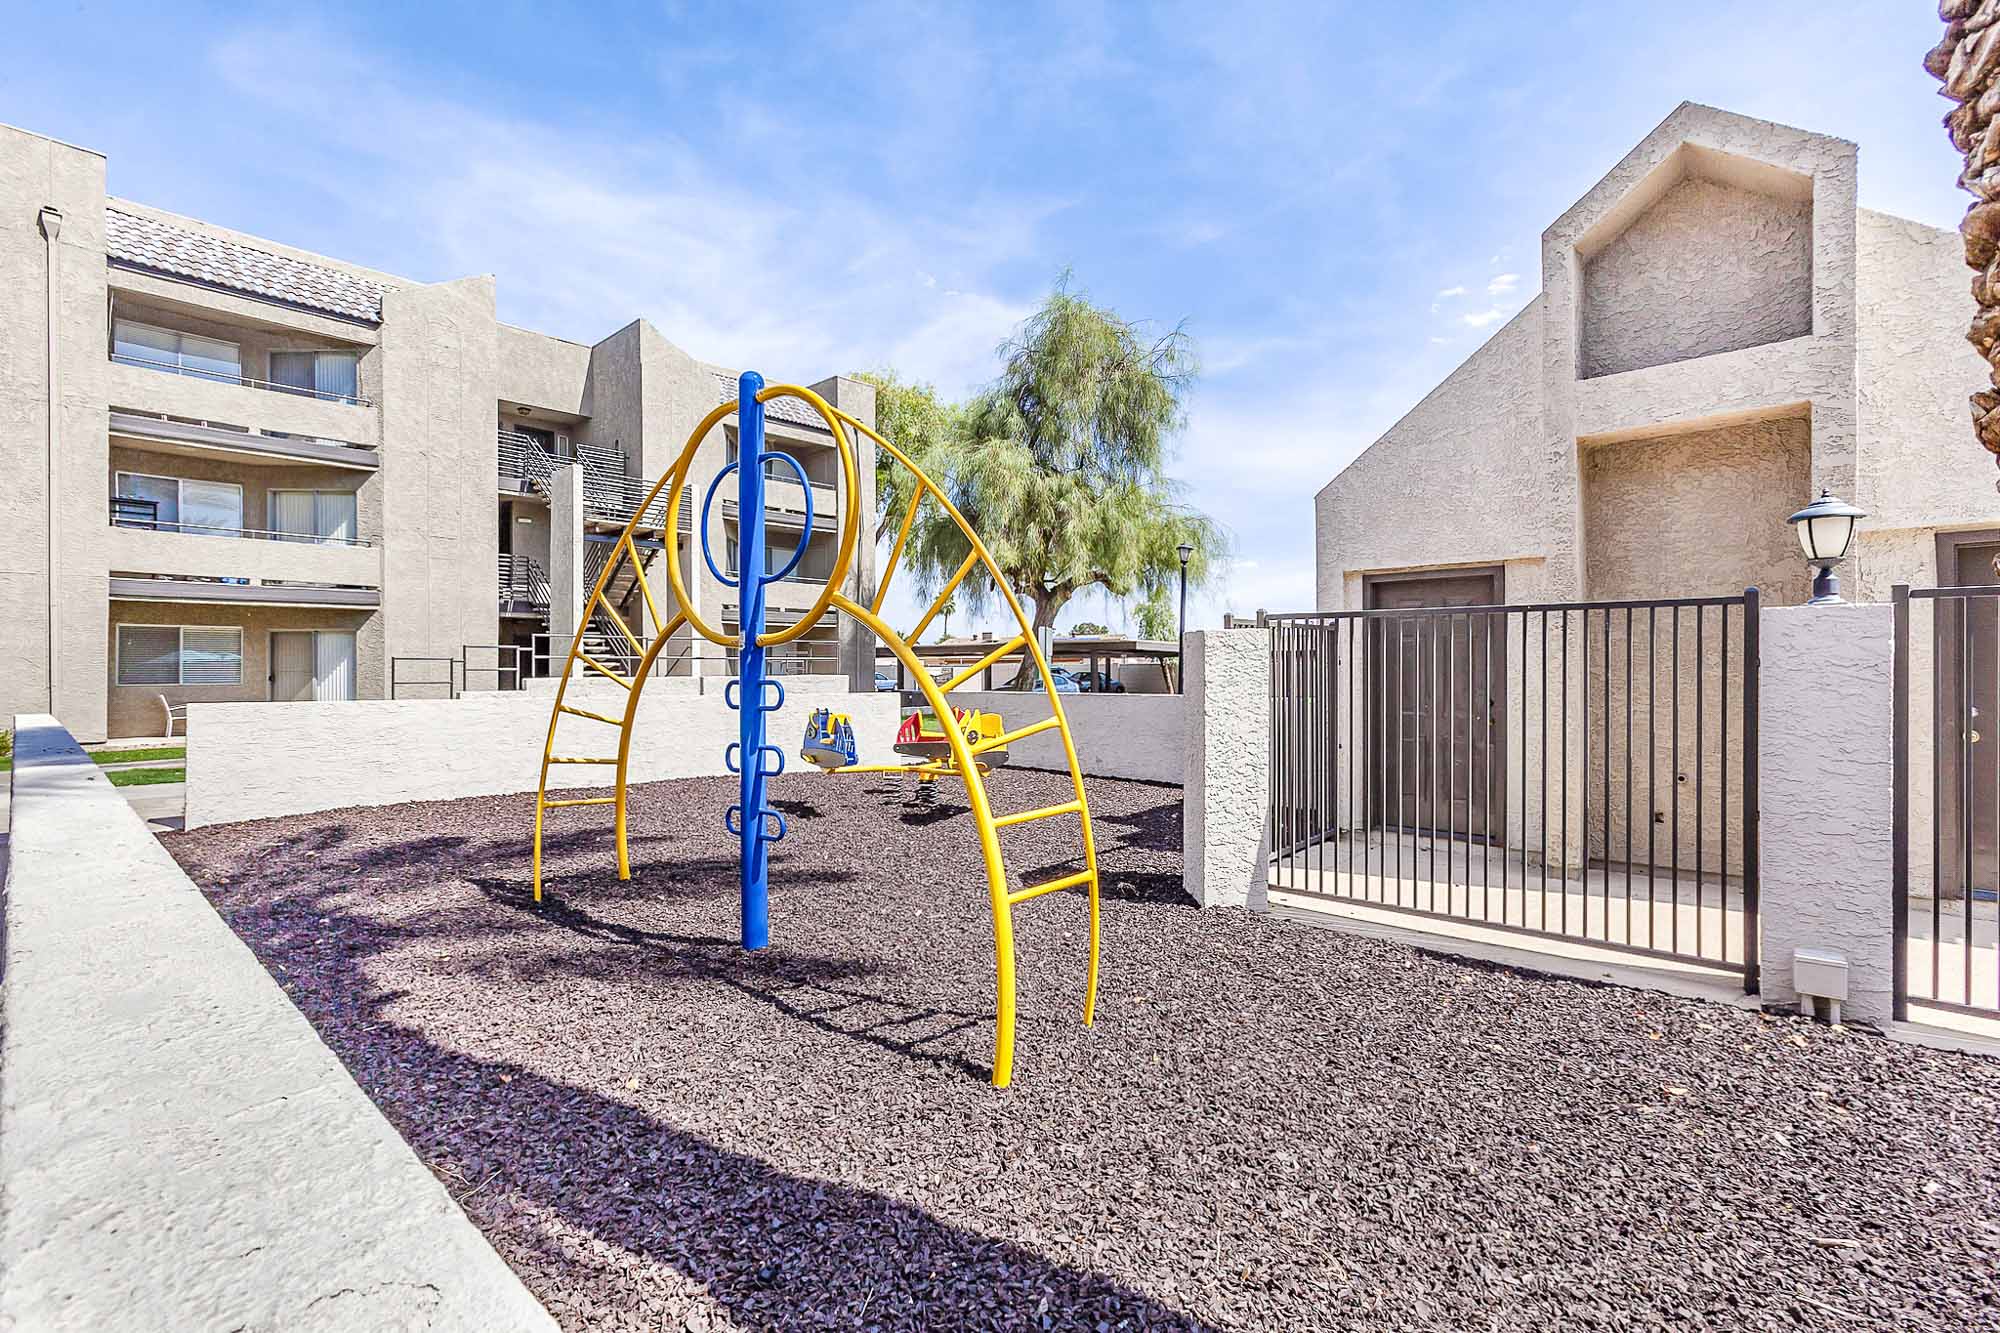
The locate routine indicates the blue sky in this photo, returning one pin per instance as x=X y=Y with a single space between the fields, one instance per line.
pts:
x=1339 y=200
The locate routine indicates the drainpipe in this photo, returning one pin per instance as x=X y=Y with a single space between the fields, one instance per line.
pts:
x=51 y=222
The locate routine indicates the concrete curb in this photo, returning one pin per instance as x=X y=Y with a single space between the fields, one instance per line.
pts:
x=177 y=1147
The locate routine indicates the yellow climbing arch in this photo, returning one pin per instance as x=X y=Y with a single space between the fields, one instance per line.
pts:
x=1002 y=896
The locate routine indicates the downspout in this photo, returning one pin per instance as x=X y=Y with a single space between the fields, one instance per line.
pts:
x=51 y=222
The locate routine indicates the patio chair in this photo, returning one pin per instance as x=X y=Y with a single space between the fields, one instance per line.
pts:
x=175 y=713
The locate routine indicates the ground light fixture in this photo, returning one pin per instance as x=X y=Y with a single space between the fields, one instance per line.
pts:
x=1186 y=553
x=1826 y=530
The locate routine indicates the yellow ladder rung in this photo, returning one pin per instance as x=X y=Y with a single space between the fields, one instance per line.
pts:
x=575 y=759
x=580 y=800
x=594 y=717
x=603 y=670
x=1018 y=642
x=1069 y=808
x=1066 y=882
x=1014 y=735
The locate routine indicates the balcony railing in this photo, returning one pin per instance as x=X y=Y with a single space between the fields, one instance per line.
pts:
x=228 y=377
x=130 y=511
x=523 y=581
x=525 y=465
x=617 y=497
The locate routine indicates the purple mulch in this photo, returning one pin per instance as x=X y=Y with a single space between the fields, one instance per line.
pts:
x=1272 y=1126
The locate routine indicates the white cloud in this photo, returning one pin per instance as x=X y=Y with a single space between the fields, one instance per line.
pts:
x=1482 y=318
x=1450 y=292
x=1503 y=284
x=587 y=229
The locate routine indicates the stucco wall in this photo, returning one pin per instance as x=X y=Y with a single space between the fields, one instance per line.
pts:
x=33 y=172
x=1225 y=817
x=438 y=465
x=258 y=761
x=177 y=1147
x=1116 y=735
x=1458 y=480
x=1825 y=803
x=1708 y=268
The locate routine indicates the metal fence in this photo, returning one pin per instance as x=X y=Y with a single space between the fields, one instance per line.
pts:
x=479 y=667
x=1582 y=770
x=1946 y=793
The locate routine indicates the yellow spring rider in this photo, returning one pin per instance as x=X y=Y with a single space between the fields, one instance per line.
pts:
x=963 y=751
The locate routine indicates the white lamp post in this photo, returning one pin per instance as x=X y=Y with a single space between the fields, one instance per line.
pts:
x=1826 y=530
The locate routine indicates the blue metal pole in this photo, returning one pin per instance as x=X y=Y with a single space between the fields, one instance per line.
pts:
x=750 y=678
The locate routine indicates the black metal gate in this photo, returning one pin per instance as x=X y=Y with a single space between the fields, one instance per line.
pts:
x=1580 y=770
x=1946 y=901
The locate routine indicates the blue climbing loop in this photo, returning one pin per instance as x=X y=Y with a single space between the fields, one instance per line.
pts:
x=753 y=693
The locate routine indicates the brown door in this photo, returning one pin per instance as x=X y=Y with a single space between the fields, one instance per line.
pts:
x=1443 y=686
x=1968 y=723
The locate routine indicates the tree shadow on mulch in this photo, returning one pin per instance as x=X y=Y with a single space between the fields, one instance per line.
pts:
x=538 y=1162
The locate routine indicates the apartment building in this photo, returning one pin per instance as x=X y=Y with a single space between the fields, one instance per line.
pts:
x=243 y=471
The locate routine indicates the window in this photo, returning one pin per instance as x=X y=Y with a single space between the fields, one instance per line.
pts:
x=180 y=655
x=176 y=504
x=313 y=515
x=182 y=353
x=331 y=375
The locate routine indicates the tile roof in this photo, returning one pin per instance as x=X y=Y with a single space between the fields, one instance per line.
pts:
x=788 y=410
x=138 y=241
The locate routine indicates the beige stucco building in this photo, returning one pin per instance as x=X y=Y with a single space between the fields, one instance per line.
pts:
x=1721 y=331
x=239 y=470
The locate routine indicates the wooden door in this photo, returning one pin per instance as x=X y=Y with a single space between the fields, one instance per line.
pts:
x=1443 y=686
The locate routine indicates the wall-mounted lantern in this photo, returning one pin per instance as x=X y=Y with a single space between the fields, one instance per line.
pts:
x=1826 y=530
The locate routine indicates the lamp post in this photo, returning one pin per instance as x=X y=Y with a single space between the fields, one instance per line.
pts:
x=1826 y=530
x=1185 y=552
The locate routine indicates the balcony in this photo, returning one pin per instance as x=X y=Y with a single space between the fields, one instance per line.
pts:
x=524 y=586
x=218 y=376
x=212 y=439
x=615 y=498
x=145 y=544
x=525 y=465
x=186 y=588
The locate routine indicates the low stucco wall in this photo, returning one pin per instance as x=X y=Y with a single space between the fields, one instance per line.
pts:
x=177 y=1147
x=260 y=761
x=1117 y=735
x=1225 y=813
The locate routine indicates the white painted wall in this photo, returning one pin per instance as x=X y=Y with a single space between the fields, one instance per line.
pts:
x=1135 y=736
x=1825 y=756
x=263 y=760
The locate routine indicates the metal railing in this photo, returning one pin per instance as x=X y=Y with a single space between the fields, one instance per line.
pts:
x=608 y=646
x=1583 y=770
x=130 y=511
x=617 y=497
x=248 y=382
x=1945 y=896
x=524 y=464
x=454 y=677
x=523 y=581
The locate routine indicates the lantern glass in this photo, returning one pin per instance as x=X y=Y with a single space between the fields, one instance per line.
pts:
x=1826 y=537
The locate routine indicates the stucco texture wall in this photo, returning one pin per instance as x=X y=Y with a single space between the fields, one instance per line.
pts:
x=134 y=710
x=1225 y=815
x=1708 y=268
x=1461 y=479
x=1135 y=736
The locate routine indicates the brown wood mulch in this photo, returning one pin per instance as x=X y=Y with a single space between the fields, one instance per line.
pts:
x=1271 y=1126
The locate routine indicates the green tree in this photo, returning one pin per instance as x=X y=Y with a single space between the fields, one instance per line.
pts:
x=1061 y=467
x=1156 y=616
x=919 y=422
x=1089 y=627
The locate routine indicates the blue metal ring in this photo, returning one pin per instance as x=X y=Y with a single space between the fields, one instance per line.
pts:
x=773 y=683
x=771 y=752
x=782 y=829
x=799 y=551
x=706 y=553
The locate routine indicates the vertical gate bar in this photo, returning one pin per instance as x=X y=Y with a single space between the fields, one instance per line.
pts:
x=1542 y=810
x=1722 y=786
x=1354 y=750
x=1583 y=782
x=1524 y=775
x=1752 y=888
x=1607 y=773
x=1395 y=739
x=1329 y=710
x=1471 y=671
x=1450 y=732
x=1629 y=784
x=1899 y=809
x=1310 y=755
x=1937 y=798
x=1417 y=791
x=1486 y=825
x=1674 y=782
x=1431 y=698
x=1565 y=770
x=1700 y=769
x=1965 y=783
x=1277 y=755
x=1652 y=761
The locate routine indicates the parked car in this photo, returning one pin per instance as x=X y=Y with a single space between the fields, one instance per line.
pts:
x=884 y=682
x=1066 y=683
x=1098 y=682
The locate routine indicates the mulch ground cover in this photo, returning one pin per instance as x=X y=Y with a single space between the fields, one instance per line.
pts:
x=1272 y=1126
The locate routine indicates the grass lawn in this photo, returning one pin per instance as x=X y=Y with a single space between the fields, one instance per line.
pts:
x=162 y=752
x=145 y=777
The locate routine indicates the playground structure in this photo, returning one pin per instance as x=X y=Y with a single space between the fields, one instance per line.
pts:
x=967 y=751
x=829 y=745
